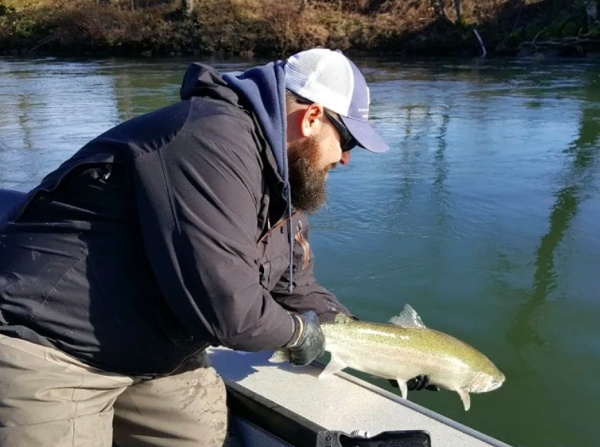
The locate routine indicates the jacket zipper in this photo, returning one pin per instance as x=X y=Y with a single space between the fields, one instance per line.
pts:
x=298 y=237
x=304 y=244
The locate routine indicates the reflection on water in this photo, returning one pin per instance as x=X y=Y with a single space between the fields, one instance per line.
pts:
x=578 y=183
x=483 y=215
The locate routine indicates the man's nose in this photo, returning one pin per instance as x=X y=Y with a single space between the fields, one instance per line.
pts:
x=345 y=157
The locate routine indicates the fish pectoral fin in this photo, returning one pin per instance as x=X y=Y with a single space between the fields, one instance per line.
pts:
x=334 y=365
x=465 y=397
x=403 y=387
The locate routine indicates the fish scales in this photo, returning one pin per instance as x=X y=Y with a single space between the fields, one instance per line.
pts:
x=370 y=346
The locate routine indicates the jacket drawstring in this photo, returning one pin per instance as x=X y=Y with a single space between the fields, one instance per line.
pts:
x=291 y=238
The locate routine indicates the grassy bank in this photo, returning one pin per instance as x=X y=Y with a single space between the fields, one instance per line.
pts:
x=275 y=27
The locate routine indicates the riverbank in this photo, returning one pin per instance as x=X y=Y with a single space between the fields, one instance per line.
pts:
x=267 y=27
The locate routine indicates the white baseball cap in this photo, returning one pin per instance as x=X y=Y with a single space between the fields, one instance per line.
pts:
x=331 y=79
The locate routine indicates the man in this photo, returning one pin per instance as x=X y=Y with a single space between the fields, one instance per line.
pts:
x=175 y=230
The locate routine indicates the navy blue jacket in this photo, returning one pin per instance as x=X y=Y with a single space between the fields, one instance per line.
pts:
x=165 y=234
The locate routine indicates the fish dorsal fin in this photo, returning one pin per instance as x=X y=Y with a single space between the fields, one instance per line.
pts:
x=408 y=318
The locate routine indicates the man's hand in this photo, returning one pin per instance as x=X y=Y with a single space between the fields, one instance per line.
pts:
x=417 y=383
x=308 y=341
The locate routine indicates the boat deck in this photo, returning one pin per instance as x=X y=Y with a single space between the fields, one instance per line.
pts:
x=341 y=402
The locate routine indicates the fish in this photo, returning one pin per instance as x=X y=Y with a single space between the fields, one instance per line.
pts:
x=403 y=349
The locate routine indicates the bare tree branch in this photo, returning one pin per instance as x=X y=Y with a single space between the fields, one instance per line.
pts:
x=484 y=52
x=457 y=7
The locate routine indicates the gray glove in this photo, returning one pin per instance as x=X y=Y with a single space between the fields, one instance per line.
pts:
x=308 y=341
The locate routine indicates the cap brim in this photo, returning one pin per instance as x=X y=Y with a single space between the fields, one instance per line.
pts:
x=366 y=136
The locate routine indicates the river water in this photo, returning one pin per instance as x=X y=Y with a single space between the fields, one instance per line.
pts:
x=484 y=215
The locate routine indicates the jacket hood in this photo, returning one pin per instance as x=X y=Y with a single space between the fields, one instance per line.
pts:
x=204 y=81
x=264 y=88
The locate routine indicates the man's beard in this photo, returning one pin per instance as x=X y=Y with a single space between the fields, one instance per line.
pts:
x=307 y=179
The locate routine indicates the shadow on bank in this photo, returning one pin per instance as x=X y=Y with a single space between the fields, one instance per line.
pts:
x=539 y=30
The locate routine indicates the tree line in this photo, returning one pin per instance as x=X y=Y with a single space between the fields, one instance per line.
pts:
x=278 y=27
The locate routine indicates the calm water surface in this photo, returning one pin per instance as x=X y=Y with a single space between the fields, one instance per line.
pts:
x=484 y=215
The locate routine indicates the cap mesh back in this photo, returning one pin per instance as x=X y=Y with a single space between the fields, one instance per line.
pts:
x=323 y=76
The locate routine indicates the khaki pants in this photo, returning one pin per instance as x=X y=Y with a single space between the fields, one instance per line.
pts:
x=48 y=398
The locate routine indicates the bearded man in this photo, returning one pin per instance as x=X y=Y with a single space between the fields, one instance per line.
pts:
x=175 y=230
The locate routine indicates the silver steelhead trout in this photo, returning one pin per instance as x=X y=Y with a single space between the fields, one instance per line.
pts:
x=404 y=349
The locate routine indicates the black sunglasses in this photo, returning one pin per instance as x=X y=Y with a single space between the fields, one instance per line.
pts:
x=347 y=141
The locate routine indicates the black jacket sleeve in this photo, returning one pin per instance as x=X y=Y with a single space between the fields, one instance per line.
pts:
x=197 y=200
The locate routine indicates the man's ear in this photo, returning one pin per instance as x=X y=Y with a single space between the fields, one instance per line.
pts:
x=312 y=120
x=303 y=121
